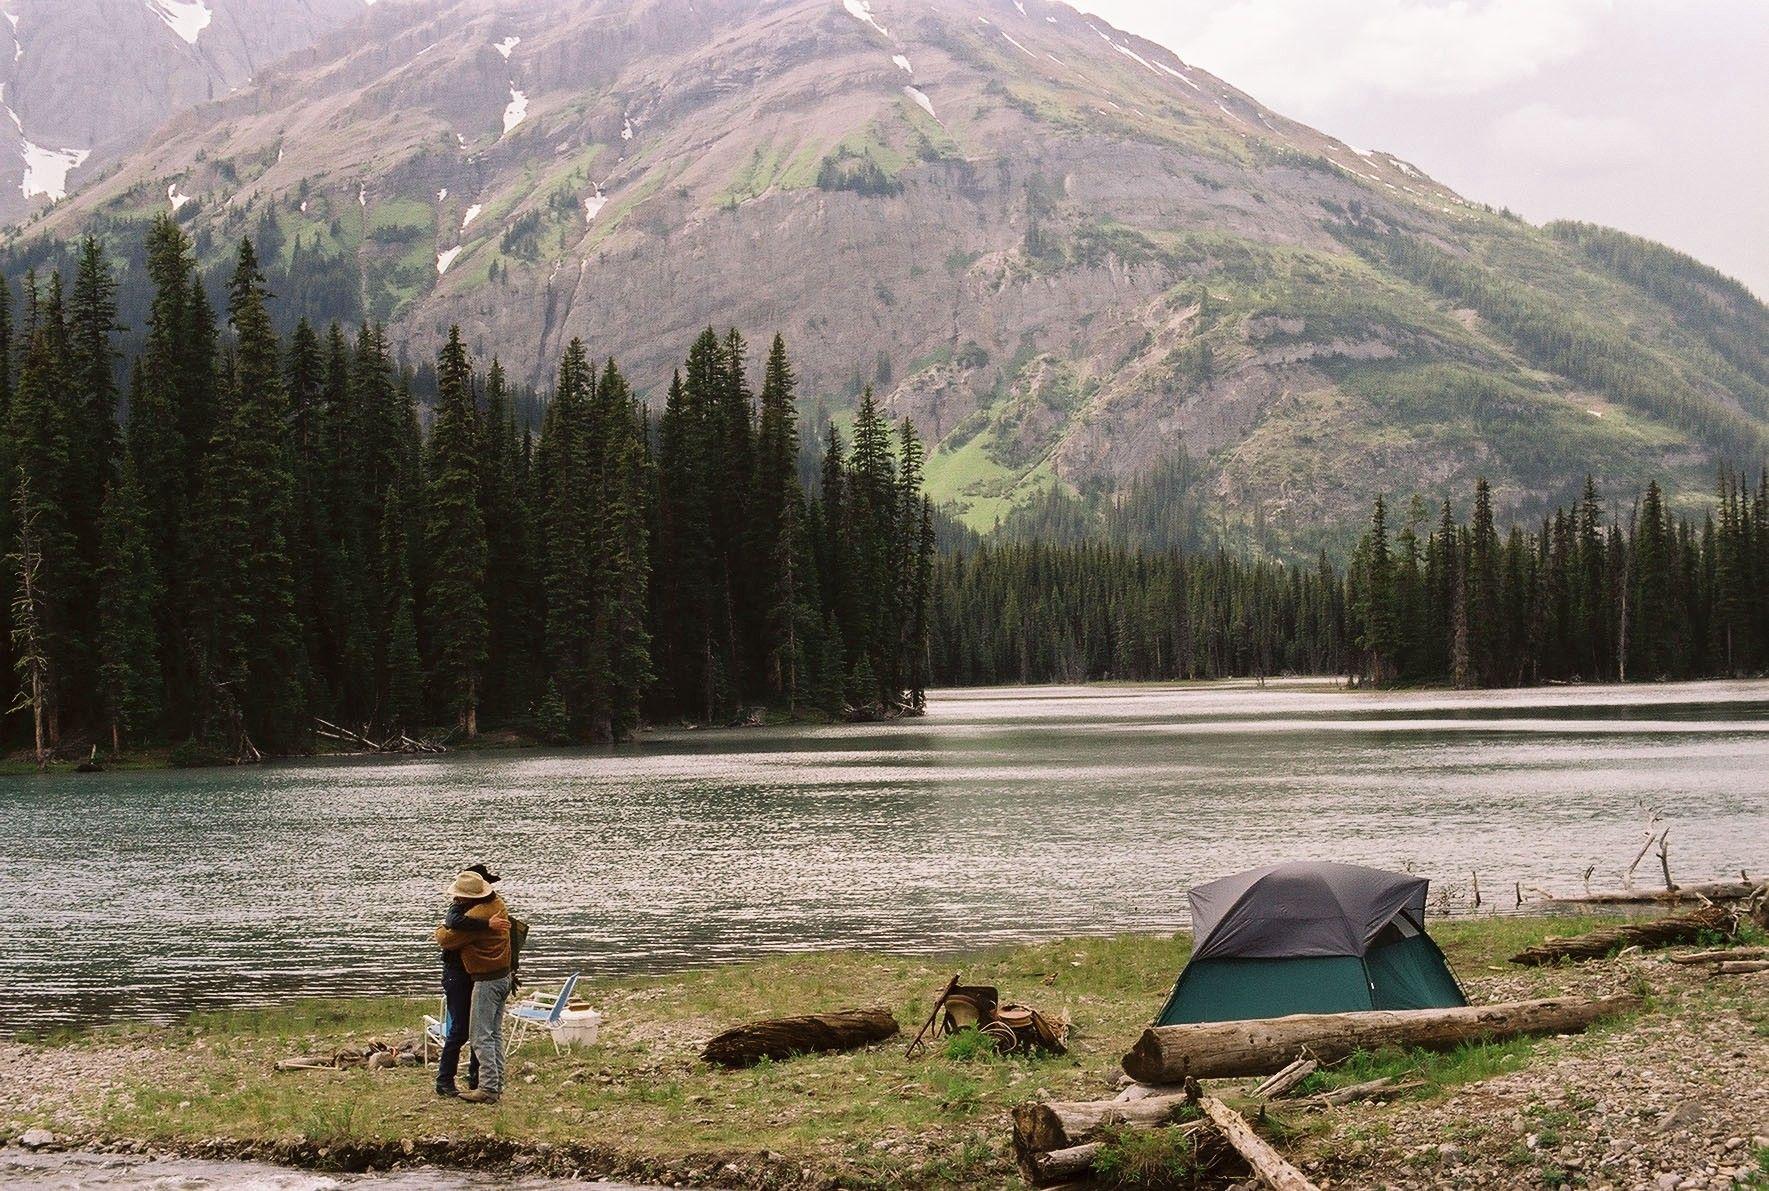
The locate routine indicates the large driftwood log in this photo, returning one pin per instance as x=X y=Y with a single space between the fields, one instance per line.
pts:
x=1266 y=1162
x=1659 y=932
x=1743 y=967
x=782 y=1037
x=1061 y=1124
x=1168 y=1054
x=1718 y=891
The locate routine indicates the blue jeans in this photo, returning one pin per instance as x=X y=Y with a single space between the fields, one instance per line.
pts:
x=487 y=1029
x=457 y=989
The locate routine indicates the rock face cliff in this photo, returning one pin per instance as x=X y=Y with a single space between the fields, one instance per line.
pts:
x=87 y=80
x=1062 y=250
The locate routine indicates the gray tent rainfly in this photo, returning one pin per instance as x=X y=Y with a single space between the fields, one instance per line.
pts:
x=1309 y=938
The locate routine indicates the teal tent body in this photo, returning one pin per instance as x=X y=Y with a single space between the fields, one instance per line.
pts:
x=1309 y=938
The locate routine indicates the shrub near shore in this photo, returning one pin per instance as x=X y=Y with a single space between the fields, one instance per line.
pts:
x=642 y=1105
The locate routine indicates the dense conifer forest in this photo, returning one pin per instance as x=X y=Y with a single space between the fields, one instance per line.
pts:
x=269 y=534
x=243 y=533
x=1594 y=594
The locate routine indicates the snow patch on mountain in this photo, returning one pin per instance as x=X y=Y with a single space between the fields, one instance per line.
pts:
x=516 y=110
x=505 y=46
x=1016 y=45
x=187 y=18
x=442 y=195
x=920 y=97
x=445 y=259
x=626 y=127
x=903 y=62
x=177 y=200
x=594 y=203
x=861 y=11
x=46 y=170
x=1181 y=76
x=1130 y=53
x=471 y=215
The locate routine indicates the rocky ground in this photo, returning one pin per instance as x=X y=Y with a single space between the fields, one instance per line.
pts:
x=1675 y=1098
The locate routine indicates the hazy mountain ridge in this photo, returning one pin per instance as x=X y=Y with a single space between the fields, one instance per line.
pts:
x=88 y=80
x=1063 y=251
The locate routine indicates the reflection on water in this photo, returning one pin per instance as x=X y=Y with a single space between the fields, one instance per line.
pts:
x=1002 y=813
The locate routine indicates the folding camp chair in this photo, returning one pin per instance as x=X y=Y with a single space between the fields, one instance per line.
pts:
x=436 y=1033
x=536 y=1013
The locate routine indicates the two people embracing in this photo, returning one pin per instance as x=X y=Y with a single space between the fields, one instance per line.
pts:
x=481 y=947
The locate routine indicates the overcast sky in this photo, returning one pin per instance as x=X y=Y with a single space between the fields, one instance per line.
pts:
x=1647 y=115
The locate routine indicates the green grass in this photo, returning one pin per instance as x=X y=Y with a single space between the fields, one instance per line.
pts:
x=644 y=1091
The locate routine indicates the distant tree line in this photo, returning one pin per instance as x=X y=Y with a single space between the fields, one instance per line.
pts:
x=271 y=534
x=1587 y=597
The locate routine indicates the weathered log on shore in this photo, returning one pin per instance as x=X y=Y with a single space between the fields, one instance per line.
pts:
x=1168 y=1054
x=1721 y=955
x=1059 y=1166
x=1717 y=891
x=781 y=1037
x=1271 y=1167
x=1743 y=967
x=1062 y=1124
x=1281 y=1083
x=1659 y=932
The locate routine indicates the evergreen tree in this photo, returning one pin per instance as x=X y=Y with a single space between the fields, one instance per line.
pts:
x=455 y=544
x=129 y=590
x=251 y=642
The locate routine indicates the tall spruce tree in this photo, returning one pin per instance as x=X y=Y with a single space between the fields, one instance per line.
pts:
x=253 y=661
x=455 y=543
x=129 y=590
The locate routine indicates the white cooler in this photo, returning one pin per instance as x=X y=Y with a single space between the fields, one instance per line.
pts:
x=578 y=1027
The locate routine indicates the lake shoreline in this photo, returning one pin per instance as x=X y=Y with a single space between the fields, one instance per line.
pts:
x=642 y=1107
x=510 y=741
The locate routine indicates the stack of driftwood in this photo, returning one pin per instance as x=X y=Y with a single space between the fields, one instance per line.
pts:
x=374 y=1055
x=1059 y=1141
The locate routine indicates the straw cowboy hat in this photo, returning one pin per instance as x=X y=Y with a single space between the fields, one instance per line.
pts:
x=470 y=886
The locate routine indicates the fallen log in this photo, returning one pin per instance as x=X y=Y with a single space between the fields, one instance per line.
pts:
x=1142 y=1091
x=782 y=1037
x=1659 y=932
x=1062 y=1124
x=1717 y=891
x=1059 y=1166
x=1286 y=1079
x=1743 y=967
x=1721 y=955
x=1375 y=1089
x=1271 y=1167
x=1206 y=1050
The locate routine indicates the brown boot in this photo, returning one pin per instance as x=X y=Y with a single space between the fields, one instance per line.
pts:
x=479 y=1096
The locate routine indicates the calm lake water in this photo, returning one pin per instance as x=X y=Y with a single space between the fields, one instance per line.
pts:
x=1004 y=814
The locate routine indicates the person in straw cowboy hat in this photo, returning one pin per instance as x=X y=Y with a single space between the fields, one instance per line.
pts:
x=477 y=932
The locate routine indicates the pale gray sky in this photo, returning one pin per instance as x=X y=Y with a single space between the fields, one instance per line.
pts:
x=1647 y=115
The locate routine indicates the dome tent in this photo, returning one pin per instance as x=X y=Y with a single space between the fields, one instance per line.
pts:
x=1309 y=938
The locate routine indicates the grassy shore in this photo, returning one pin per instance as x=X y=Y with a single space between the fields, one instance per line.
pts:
x=641 y=1103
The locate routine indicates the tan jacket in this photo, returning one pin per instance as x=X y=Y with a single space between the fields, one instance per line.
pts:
x=484 y=953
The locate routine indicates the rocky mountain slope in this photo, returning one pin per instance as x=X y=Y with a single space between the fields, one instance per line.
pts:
x=1066 y=253
x=87 y=80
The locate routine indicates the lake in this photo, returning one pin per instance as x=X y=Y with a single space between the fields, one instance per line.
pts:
x=1004 y=814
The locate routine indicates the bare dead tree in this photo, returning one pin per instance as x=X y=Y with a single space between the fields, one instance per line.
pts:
x=32 y=662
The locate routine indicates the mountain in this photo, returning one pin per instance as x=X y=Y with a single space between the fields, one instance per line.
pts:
x=87 y=80
x=1067 y=254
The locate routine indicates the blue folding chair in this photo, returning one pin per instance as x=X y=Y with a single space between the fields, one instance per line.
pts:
x=535 y=1013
